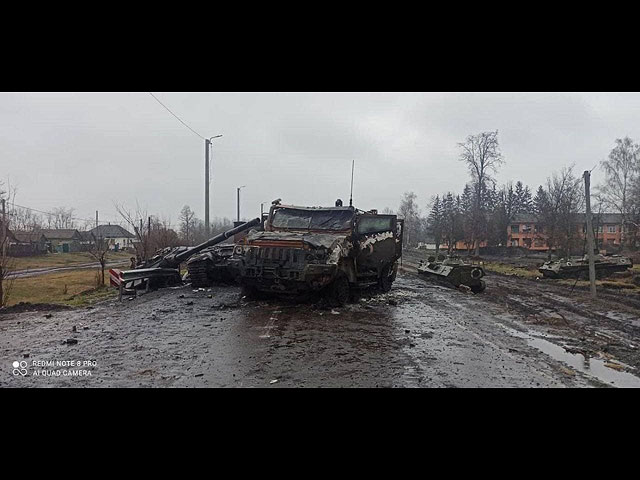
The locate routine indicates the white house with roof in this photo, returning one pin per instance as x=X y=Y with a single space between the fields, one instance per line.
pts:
x=117 y=237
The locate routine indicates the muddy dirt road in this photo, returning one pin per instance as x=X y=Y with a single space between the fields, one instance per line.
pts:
x=418 y=335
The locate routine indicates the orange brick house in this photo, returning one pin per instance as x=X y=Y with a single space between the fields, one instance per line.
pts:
x=527 y=231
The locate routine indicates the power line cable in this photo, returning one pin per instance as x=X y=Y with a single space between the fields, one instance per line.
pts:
x=179 y=119
x=91 y=220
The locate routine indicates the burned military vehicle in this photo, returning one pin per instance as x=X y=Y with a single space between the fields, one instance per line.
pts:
x=331 y=250
x=578 y=267
x=455 y=271
x=163 y=269
x=210 y=266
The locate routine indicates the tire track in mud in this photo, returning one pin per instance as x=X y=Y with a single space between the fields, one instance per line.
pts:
x=475 y=351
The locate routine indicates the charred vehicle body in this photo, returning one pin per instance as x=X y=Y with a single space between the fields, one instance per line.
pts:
x=210 y=266
x=332 y=249
x=163 y=269
x=454 y=271
x=578 y=267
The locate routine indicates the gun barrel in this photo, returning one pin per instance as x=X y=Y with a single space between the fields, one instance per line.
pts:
x=182 y=256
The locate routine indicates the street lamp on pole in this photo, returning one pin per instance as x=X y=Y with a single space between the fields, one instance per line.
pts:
x=207 y=147
x=239 y=201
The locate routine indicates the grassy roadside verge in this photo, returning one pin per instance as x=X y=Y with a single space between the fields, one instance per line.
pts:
x=63 y=260
x=531 y=272
x=72 y=288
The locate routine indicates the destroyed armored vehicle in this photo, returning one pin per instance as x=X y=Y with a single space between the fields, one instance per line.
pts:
x=210 y=266
x=163 y=269
x=332 y=250
x=455 y=271
x=578 y=267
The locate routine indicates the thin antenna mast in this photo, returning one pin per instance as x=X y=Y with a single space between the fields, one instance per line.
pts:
x=351 y=194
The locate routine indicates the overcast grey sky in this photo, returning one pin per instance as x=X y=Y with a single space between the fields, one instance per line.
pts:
x=87 y=150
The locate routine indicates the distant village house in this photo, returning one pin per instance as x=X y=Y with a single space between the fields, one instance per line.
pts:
x=117 y=237
x=62 y=240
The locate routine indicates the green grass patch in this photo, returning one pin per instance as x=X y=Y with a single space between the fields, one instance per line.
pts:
x=64 y=260
x=506 y=269
x=72 y=287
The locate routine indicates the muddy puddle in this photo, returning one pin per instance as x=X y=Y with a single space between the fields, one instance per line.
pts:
x=592 y=367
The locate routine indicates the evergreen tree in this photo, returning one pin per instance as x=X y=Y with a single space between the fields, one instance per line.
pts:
x=435 y=222
x=540 y=201
x=523 y=202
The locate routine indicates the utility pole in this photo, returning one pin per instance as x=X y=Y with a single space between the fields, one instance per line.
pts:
x=3 y=252
x=4 y=229
x=351 y=194
x=96 y=218
x=592 y=267
x=238 y=190
x=207 y=148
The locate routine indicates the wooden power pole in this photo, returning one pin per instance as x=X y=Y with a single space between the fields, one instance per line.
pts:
x=592 y=267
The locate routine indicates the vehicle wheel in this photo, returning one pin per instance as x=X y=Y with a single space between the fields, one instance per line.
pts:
x=479 y=288
x=338 y=291
x=386 y=279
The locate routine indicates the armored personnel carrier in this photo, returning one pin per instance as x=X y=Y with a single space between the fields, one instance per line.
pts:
x=578 y=267
x=455 y=271
x=327 y=249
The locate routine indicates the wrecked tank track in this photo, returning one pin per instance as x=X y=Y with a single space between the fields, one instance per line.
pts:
x=198 y=274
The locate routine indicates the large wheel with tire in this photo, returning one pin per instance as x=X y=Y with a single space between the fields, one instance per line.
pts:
x=338 y=291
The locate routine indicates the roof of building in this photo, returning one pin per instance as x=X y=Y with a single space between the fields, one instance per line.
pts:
x=28 y=237
x=86 y=236
x=524 y=218
x=60 y=234
x=111 y=231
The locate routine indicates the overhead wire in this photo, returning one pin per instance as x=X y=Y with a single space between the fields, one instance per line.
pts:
x=176 y=116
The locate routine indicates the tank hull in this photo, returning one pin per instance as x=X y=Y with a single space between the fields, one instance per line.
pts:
x=579 y=268
x=455 y=273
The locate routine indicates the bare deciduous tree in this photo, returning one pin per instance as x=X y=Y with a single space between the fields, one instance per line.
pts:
x=410 y=211
x=482 y=155
x=63 y=218
x=7 y=263
x=137 y=220
x=564 y=199
x=99 y=249
x=187 y=224
x=25 y=220
x=621 y=171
